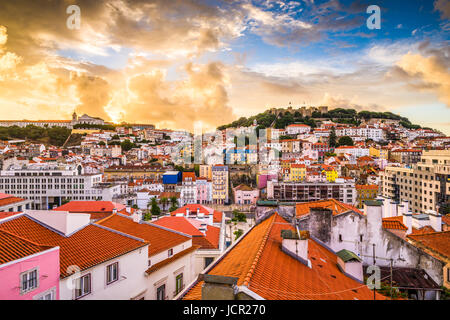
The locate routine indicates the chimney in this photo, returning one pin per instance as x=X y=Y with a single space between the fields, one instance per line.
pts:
x=373 y=210
x=63 y=221
x=137 y=216
x=394 y=209
x=198 y=210
x=217 y=287
x=187 y=212
x=296 y=245
x=435 y=220
x=320 y=224
x=407 y=221
x=350 y=264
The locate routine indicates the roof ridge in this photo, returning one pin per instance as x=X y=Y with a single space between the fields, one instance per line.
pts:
x=258 y=254
x=26 y=240
x=105 y=218
x=428 y=233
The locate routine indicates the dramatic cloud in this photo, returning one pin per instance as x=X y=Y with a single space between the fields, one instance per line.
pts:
x=201 y=96
x=432 y=74
x=175 y=63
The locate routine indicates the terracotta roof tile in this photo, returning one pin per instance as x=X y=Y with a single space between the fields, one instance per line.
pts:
x=438 y=242
x=85 y=248
x=337 y=207
x=160 y=239
x=393 y=224
x=258 y=262
x=90 y=206
x=14 y=247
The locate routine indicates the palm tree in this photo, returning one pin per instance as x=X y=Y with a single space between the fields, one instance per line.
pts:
x=164 y=201
x=174 y=202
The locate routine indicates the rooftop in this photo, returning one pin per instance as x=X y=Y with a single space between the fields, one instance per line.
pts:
x=85 y=248
x=259 y=263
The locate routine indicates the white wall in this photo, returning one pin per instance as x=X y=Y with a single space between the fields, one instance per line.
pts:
x=131 y=281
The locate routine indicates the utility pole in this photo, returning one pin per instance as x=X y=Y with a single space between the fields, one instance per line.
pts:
x=373 y=246
x=391 y=280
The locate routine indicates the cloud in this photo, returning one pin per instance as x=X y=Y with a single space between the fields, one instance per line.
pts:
x=339 y=101
x=151 y=97
x=431 y=73
x=444 y=7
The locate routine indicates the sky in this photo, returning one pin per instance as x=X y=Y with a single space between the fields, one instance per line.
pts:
x=185 y=63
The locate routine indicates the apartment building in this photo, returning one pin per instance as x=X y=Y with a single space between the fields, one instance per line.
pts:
x=48 y=185
x=220 y=180
x=341 y=190
x=426 y=185
x=406 y=156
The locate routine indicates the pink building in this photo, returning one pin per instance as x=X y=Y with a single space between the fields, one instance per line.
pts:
x=204 y=191
x=245 y=195
x=28 y=271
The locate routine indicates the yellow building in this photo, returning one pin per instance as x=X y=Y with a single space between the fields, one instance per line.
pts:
x=365 y=192
x=205 y=171
x=331 y=174
x=374 y=152
x=298 y=172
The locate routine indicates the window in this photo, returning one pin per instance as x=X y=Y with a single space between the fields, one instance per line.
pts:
x=208 y=261
x=29 y=280
x=360 y=238
x=82 y=286
x=112 y=273
x=47 y=295
x=179 y=283
x=170 y=252
x=340 y=238
x=161 y=292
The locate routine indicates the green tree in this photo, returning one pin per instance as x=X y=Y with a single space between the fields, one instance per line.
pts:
x=174 y=204
x=164 y=201
x=127 y=145
x=147 y=216
x=238 y=233
x=102 y=143
x=239 y=216
x=345 y=141
x=332 y=139
x=155 y=210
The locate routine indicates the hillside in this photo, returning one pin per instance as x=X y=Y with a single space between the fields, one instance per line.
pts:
x=339 y=115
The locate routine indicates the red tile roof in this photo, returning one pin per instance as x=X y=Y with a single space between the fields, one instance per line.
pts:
x=438 y=242
x=423 y=230
x=259 y=263
x=160 y=238
x=8 y=214
x=217 y=215
x=86 y=248
x=14 y=247
x=395 y=223
x=10 y=200
x=180 y=224
x=337 y=207
x=90 y=206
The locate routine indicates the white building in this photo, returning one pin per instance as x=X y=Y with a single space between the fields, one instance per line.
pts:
x=48 y=185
